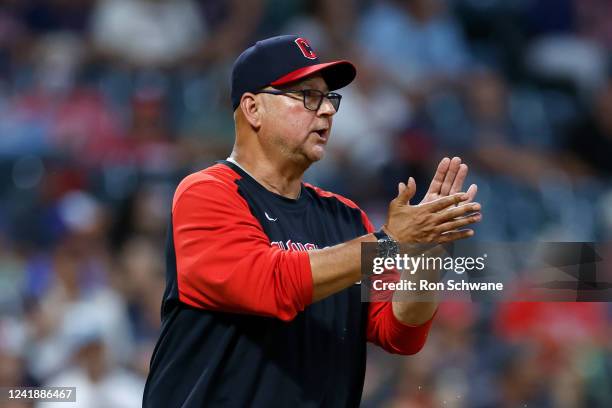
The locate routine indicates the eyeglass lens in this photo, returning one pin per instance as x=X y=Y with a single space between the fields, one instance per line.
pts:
x=313 y=99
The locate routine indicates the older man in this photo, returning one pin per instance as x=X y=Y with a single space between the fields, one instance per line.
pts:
x=261 y=306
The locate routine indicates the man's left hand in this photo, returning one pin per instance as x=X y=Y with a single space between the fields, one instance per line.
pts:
x=449 y=178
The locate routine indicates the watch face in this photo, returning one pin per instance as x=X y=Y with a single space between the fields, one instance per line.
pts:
x=387 y=247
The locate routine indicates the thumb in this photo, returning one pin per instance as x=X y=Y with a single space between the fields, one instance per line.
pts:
x=406 y=192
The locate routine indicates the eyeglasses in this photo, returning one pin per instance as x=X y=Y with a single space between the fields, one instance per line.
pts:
x=312 y=98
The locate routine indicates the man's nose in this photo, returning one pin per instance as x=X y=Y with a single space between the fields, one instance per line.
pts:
x=326 y=108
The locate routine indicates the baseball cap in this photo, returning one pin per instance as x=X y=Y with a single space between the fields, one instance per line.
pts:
x=280 y=60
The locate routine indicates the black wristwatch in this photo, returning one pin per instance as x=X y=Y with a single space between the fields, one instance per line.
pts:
x=387 y=246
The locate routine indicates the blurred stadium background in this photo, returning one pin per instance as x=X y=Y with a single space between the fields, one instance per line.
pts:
x=105 y=105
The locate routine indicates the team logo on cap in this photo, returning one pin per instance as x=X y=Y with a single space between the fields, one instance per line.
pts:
x=306 y=49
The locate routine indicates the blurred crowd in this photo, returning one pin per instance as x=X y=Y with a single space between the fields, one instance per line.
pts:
x=106 y=104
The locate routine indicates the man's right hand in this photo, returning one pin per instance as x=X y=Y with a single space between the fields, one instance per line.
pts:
x=431 y=222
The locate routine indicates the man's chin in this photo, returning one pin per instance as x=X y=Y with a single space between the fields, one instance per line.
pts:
x=311 y=156
x=317 y=153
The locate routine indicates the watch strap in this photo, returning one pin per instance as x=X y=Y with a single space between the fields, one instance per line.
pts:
x=381 y=234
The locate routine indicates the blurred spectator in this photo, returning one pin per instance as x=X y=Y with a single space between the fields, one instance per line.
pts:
x=13 y=371
x=521 y=380
x=416 y=41
x=232 y=24
x=148 y=142
x=154 y=33
x=594 y=21
x=142 y=281
x=77 y=276
x=11 y=277
x=328 y=26
x=98 y=383
x=569 y=58
x=55 y=116
x=143 y=214
x=548 y=17
x=590 y=142
x=486 y=130
x=556 y=326
x=147 y=32
x=57 y=15
x=13 y=36
x=372 y=113
x=559 y=52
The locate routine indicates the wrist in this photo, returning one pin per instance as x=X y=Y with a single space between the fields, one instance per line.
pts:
x=385 y=229
x=387 y=246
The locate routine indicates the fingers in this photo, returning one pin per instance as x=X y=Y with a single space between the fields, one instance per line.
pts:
x=438 y=178
x=458 y=211
x=400 y=187
x=411 y=187
x=445 y=202
x=406 y=192
x=471 y=192
x=453 y=169
x=455 y=235
x=459 y=179
x=458 y=223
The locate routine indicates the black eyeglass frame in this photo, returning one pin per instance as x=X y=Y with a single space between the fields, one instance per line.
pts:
x=331 y=96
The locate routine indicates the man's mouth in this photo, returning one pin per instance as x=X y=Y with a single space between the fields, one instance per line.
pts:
x=323 y=133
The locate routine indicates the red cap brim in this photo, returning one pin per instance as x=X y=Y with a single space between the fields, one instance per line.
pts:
x=337 y=74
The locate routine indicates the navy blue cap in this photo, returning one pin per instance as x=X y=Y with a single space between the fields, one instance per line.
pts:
x=280 y=60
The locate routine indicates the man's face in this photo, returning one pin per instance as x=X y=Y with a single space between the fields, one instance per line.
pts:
x=292 y=131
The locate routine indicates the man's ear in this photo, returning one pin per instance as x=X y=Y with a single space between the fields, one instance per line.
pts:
x=251 y=109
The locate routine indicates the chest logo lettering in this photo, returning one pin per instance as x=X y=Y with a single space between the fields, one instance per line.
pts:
x=294 y=246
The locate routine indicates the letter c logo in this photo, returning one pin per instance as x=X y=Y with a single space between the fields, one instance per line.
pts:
x=305 y=48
